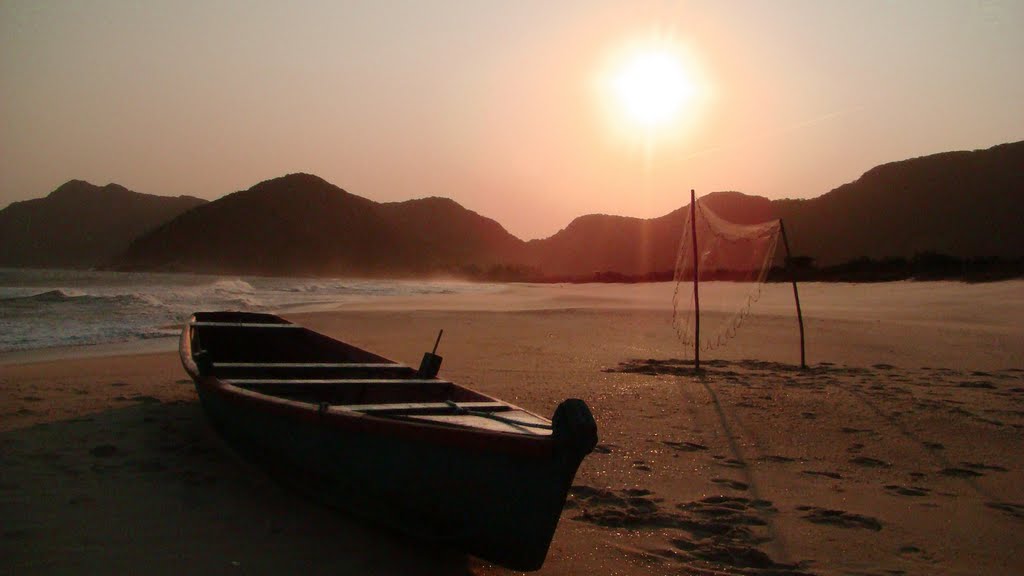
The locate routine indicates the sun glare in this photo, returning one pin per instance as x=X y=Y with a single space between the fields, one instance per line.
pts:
x=652 y=87
x=653 y=90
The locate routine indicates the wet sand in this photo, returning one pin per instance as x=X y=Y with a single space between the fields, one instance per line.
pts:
x=899 y=451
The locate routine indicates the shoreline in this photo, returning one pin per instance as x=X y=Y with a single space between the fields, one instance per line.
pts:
x=111 y=349
x=912 y=324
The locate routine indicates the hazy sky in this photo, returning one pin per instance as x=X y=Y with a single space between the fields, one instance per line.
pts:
x=505 y=107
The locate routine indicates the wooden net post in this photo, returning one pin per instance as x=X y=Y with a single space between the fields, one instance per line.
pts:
x=696 y=278
x=796 y=295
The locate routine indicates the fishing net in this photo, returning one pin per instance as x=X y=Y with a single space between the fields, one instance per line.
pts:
x=731 y=263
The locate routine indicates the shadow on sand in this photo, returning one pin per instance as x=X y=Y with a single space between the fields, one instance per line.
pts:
x=711 y=374
x=151 y=487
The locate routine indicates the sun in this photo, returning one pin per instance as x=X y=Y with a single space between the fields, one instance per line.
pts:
x=652 y=87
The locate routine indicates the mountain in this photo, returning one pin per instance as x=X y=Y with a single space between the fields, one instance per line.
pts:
x=439 y=234
x=964 y=204
x=80 y=225
x=633 y=246
x=302 y=225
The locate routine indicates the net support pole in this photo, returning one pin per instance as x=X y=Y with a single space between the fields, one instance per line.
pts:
x=796 y=294
x=696 y=281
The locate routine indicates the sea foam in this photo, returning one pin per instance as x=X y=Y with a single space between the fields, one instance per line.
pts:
x=55 y=308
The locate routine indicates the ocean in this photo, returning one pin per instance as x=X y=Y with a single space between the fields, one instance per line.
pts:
x=42 y=309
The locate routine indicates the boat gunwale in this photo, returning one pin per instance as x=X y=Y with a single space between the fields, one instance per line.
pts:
x=423 y=431
x=338 y=417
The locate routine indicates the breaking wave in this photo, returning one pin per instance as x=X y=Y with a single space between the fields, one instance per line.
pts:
x=45 y=309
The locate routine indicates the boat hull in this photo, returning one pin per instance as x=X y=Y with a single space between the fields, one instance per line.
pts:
x=498 y=497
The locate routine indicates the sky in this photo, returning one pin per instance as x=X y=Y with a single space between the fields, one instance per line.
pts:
x=511 y=108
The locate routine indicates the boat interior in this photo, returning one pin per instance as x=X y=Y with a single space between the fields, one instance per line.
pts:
x=268 y=355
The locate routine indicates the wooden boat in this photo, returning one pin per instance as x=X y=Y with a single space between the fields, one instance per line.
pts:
x=393 y=444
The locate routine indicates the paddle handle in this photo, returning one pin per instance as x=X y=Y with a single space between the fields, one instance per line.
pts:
x=438 y=341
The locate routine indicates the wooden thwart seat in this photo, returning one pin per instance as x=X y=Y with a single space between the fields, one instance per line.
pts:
x=473 y=414
x=426 y=407
x=332 y=381
x=302 y=371
x=342 y=365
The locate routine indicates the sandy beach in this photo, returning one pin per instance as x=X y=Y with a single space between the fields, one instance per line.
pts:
x=898 y=451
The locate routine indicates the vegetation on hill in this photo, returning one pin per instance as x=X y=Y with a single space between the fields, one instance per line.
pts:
x=302 y=225
x=80 y=225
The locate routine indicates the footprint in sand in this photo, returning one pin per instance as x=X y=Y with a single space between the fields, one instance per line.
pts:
x=636 y=508
x=909 y=550
x=960 y=473
x=1015 y=510
x=145 y=399
x=840 y=518
x=684 y=446
x=747 y=559
x=776 y=458
x=870 y=462
x=982 y=384
x=907 y=490
x=720 y=533
x=604 y=448
x=629 y=507
x=833 y=475
x=729 y=510
x=729 y=462
x=734 y=484
x=980 y=466
x=913 y=551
